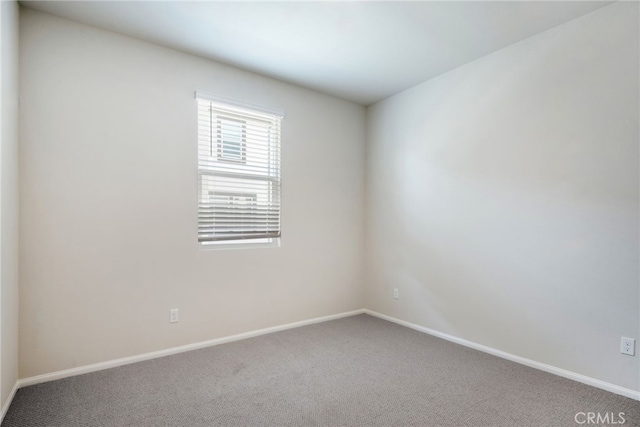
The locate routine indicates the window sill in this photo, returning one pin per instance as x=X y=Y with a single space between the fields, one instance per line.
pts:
x=241 y=244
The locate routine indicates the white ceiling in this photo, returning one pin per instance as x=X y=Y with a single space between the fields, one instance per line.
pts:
x=360 y=51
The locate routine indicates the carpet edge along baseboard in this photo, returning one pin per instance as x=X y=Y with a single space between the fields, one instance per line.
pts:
x=613 y=388
x=52 y=376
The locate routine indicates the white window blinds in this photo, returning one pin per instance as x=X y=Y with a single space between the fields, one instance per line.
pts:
x=238 y=172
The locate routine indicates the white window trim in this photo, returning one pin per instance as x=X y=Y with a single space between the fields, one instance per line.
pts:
x=272 y=242
x=235 y=103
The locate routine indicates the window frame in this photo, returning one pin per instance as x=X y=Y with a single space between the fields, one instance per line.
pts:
x=269 y=178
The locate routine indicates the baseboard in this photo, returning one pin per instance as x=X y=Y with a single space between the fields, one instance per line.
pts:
x=175 y=350
x=6 y=405
x=627 y=392
x=633 y=394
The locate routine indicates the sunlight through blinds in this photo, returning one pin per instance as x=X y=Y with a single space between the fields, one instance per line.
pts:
x=238 y=173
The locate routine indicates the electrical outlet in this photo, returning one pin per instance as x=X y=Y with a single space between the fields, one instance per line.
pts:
x=396 y=293
x=173 y=315
x=628 y=346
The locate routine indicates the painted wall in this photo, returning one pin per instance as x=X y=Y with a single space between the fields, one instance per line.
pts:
x=8 y=199
x=108 y=185
x=502 y=198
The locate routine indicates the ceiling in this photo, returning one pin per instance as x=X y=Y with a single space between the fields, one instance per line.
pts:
x=356 y=50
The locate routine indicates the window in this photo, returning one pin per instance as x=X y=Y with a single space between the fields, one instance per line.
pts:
x=238 y=172
x=232 y=137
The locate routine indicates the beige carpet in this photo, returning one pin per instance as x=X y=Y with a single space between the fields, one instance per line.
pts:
x=357 y=371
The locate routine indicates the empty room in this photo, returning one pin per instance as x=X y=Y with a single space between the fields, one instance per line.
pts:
x=340 y=213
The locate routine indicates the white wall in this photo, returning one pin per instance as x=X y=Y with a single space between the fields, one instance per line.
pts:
x=502 y=198
x=8 y=199
x=109 y=192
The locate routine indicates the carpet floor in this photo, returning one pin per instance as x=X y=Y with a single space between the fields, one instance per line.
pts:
x=356 y=371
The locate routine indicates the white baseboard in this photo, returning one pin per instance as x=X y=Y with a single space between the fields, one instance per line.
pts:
x=633 y=394
x=6 y=405
x=175 y=350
